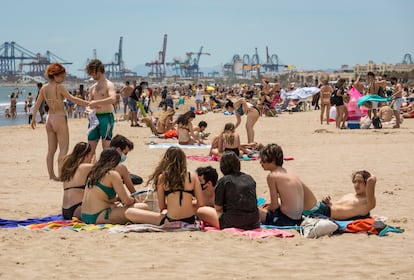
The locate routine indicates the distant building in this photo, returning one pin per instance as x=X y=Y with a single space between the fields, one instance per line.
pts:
x=382 y=68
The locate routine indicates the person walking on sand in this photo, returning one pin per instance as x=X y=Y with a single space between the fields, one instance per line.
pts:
x=126 y=93
x=397 y=101
x=102 y=96
x=54 y=93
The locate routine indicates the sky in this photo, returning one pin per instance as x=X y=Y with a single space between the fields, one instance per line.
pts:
x=311 y=35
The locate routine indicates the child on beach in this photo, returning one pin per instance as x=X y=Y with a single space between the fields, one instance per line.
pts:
x=103 y=191
x=351 y=206
x=179 y=192
x=285 y=190
x=75 y=169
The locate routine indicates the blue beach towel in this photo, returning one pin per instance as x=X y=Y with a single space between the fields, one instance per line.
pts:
x=16 y=223
x=373 y=98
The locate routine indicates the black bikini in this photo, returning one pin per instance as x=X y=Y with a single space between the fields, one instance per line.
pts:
x=67 y=213
x=189 y=220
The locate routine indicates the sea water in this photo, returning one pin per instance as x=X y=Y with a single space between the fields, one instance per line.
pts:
x=23 y=93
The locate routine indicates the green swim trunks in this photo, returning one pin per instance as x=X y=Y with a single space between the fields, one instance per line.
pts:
x=104 y=129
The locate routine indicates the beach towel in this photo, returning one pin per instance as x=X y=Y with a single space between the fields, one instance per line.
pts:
x=371 y=226
x=217 y=158
x=4 y=223
x=171 y=226
x=153 y=145
x=300 y=93
x=372 y=98
x=253 y=233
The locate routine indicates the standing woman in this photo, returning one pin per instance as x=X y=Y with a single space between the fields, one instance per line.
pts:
x=75 y=169
x=13 y=106
x=56 y=124
x=339 y=103
x=325 y=93
x=244 y=107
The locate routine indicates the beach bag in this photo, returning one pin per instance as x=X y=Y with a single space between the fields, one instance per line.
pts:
x=315 y=227
x=149 y=197
x=376 y=122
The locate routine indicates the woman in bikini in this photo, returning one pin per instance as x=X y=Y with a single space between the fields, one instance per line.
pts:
x=75 y=169
x=179 y=192
x=229 y=140
x=106 y=198
x=326 y=91
x=165 y=122
x=56 y=124
x=13 y=106
x=244 y=107
x=185 y=131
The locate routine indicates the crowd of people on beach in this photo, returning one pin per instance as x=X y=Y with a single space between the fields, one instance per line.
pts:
x=100 y=189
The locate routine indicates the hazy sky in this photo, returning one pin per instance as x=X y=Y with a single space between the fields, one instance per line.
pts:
x=309 y=34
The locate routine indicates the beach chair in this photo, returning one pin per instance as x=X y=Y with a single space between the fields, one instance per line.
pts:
x=273 y=109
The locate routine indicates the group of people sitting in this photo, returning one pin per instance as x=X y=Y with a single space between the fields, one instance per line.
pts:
x=102 y=191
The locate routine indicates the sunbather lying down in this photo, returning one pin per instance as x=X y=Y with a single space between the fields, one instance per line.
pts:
x=351 y=206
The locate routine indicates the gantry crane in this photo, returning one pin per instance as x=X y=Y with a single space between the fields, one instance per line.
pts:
x=158 y=65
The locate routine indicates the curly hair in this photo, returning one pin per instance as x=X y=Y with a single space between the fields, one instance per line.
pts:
x=54 y=69
x=72 y=161
x=272 y=153
x=173 y=167
x=95 y=65
x=108 y=160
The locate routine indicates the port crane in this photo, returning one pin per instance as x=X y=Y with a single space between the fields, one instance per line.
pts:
x=158 y=65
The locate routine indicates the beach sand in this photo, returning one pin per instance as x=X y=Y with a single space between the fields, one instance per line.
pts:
x=324 y=159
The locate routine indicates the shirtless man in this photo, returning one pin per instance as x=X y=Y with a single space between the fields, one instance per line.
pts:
x=102 y=96
x=126 y=93
x=351 y=206
x=372 y=88
x=397 y=100
x=286 y=191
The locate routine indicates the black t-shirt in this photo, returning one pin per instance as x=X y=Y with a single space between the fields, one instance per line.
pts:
x=136 y=93
x=236 y=193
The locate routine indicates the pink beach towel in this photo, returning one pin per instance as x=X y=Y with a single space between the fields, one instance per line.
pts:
x=254 y=233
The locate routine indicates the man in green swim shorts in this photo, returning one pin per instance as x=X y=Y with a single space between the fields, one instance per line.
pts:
x=102 y=96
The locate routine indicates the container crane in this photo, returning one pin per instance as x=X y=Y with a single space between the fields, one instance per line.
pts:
x=192 y=69
x=158 y=65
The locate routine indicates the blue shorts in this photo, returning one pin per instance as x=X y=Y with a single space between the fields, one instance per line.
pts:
x=104 y=129
x=133 y=105
x=277 y=218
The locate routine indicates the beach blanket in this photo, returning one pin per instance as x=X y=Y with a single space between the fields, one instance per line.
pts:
x=372 y=98
x=300 y=93
x=217 y=158
x=171 y=226
x=16 y=223
x=253 y=233
x=153 y=145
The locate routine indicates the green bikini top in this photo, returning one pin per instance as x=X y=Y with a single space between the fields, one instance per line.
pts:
x=110 y=192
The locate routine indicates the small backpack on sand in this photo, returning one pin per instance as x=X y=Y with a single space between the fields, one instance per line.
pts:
x=376 y=122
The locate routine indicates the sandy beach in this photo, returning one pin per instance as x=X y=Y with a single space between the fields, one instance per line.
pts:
x=324 y=158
